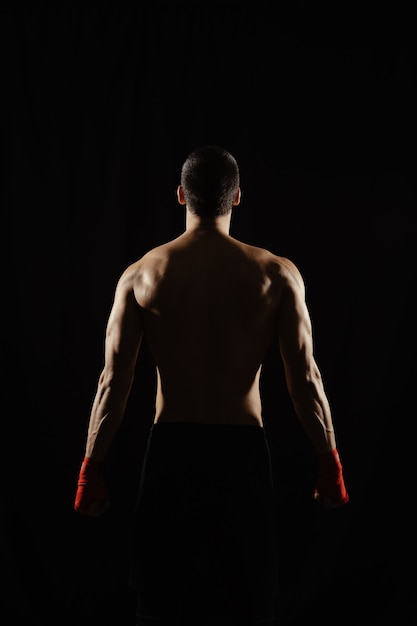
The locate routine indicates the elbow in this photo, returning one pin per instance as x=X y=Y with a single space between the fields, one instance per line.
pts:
x=114 y=384
x=304 y=386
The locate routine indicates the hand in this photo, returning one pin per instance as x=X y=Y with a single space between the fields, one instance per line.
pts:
x=330 y=489
x=92 y=498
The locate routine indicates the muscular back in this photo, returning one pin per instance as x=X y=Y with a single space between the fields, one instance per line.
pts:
x=209 y=307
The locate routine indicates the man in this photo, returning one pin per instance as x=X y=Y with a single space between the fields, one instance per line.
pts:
x=209 y=307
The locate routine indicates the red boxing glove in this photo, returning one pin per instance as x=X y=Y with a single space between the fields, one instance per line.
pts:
x=330 y=483
x=91 y=488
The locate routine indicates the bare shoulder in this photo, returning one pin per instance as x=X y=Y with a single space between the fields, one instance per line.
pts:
x=152 y=260
x=282 y=267
x=145 y=276
x=290 y=271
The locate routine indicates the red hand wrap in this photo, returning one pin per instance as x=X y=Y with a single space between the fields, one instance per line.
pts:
x=91 y=487
x=330 y=480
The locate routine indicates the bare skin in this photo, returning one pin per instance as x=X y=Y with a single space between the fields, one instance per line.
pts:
x=209 y=307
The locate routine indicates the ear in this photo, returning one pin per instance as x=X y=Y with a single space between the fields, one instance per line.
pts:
x=238 y=197
x=180 y=195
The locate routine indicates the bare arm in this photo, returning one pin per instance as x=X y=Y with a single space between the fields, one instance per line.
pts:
x=305 y=386
x=303 y=378
x=123 y=338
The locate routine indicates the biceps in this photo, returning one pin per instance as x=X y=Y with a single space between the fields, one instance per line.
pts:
x=295 y=336
x=123 y=335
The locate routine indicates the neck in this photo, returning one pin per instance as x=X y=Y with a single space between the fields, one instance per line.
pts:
x=219 y=224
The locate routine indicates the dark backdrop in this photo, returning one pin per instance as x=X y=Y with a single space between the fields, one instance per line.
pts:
x=101 y=102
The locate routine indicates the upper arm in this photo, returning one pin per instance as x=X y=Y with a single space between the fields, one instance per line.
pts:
x=124 y=331
x=294 y=329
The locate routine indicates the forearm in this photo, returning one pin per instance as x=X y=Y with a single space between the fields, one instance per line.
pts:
x=313 y=410
x=105 y=419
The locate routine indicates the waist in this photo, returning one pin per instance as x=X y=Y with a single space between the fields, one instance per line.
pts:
x=196 y=431
x=229 y=419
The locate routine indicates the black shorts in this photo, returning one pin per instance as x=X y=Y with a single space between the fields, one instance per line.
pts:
x=204 y=521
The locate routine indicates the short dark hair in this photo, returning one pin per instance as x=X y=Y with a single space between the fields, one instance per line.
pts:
x=210 y=181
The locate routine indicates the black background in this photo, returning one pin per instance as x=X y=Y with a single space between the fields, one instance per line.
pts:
x=101 y=102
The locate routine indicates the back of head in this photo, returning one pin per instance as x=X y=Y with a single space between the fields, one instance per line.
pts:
x=210 y=181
